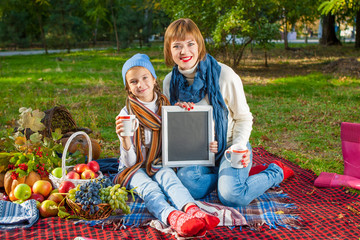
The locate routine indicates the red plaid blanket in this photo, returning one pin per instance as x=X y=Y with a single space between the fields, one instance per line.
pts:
x=328 y=213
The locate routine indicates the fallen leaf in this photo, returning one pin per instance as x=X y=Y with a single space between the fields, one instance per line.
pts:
x=341 y=216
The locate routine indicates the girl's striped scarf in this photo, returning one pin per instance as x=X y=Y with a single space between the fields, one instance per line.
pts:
x=148 y=119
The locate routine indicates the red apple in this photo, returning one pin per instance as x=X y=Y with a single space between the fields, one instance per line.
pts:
x=48 y=208
x=66 y=186
x=38 y=197
x=96 y=175
x=80 y=168
x=73 y=175
x=56 y=197
x=42 y=187
x=94 y=166
x=88 y=174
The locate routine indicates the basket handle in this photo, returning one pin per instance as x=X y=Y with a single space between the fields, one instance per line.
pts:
x=68 y=144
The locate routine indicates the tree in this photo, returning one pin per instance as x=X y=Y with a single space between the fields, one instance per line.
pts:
x=40 y=8
x=228 y=26
x=96 y=11
x=17 y=25
x=294 y=11
x=347 y=7
x=328 y=34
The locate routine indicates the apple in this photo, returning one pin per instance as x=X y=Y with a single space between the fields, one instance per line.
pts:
x=22 y=191
x=65 y=186
x=94 y=166
x=12 y=196
x=19 y=201
x=38 y=204
x=56 y=190
x=48 y=208
x=42 y=187
x=73 y=175
x=57 y=172
x=88 y=174
x=81 y=167
x=38 y=197
x=56 y=197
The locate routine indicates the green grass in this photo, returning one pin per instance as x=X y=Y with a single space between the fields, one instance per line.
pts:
x=297 y=117
x=303 y=115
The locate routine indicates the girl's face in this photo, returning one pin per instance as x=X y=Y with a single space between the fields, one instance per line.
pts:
x=185 y=53
x=141 y=83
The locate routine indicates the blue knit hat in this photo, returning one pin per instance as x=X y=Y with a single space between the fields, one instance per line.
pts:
x=141 y=60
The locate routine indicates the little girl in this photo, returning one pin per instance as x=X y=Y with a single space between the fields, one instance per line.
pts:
x=140 y=160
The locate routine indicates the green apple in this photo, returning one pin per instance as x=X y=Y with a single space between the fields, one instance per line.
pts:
x=19 y=201
x=57 y=172
x=22 y=191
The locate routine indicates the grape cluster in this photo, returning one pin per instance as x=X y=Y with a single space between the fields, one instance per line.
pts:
x=88 y=196
x=97 y=191
x=116 y=196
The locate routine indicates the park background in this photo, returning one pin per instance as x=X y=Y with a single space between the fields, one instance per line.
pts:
x=299 y=89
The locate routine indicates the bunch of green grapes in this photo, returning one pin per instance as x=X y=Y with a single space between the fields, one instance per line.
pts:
x=72 y=193
x=116 y=196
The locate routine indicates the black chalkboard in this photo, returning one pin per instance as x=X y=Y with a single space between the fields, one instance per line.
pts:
x=186 y=136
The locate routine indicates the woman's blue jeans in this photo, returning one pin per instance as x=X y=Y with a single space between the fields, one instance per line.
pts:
x=156 y=190
x=235 y=187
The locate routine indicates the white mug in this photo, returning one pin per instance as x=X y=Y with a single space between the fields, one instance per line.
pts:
x=237 y=152
x=130 y=124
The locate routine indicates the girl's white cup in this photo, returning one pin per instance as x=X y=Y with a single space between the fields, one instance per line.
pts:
x=237 y=152
x=130 y=124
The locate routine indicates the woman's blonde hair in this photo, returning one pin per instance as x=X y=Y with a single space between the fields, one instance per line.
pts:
x=178 y=30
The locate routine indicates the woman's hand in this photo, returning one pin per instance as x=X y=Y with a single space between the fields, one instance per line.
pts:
x=187 y=105
x=214 y=147
x=119 y=129
x=246 y=159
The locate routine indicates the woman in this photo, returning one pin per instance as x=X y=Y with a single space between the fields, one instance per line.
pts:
x=197 y=77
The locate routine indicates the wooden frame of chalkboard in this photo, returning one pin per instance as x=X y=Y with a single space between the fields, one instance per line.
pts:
x=186 y=136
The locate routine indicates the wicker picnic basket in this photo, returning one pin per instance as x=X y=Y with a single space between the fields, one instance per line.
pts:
x=57 y=181
x=60 y=117
x=103 y=212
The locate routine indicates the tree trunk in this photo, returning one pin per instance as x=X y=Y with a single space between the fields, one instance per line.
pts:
x=115 y=28
x=43 y=39
x=357 y=29
x=266 y=62
x=286 y=44
x=328 y=35
x=67 y=44
x=95 y=31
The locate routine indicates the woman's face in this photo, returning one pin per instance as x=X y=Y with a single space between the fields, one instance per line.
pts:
x=141 y=83
x=185 y=53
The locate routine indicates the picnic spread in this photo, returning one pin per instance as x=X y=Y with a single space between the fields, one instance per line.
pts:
x=54 y=197
x=320 y=213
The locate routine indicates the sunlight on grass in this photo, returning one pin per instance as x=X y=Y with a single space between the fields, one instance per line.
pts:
x=296 y=117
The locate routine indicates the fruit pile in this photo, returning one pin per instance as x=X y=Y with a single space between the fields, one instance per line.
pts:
x=80 y=171
x=47 y=199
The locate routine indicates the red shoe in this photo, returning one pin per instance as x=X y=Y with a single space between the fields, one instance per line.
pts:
x=288 y=172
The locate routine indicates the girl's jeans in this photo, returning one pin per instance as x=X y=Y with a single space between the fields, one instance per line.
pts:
x=156 y=190
x=235 y=187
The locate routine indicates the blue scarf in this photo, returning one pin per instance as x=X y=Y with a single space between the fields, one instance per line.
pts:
x=206 y=81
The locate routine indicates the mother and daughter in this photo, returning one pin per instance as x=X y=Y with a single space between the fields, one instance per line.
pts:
x=197 y=78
